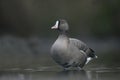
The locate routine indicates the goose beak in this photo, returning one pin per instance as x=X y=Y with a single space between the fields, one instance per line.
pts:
x=56 y=25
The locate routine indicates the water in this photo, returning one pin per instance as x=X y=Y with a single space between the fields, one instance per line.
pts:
x=48 y=74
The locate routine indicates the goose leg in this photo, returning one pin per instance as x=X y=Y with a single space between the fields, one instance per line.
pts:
x=66 y=69
x=79 y=68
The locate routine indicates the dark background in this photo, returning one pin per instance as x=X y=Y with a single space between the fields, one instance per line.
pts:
x=99 y=18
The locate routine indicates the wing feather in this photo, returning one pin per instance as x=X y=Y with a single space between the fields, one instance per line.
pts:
x=82 y=46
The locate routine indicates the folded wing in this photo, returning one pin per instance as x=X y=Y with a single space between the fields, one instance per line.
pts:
x=82 y=46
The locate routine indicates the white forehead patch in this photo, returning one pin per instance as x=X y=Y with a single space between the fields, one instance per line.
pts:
x=56 y=24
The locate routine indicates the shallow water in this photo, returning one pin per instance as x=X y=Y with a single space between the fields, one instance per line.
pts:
x=50 y=73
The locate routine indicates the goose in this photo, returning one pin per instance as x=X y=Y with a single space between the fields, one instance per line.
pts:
x=69 y=52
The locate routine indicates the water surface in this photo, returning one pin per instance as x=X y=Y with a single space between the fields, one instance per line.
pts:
x=49 y=73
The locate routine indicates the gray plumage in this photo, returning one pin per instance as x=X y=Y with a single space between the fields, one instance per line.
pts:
x=69 y=52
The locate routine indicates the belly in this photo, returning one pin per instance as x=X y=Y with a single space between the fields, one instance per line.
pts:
x=60 y=56
x=69 y=58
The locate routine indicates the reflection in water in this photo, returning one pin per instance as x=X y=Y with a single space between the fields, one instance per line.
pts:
x=74 y=75
x=44 y=75
x=63 y=75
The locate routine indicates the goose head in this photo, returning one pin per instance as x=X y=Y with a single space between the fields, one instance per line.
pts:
x=61 y=25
